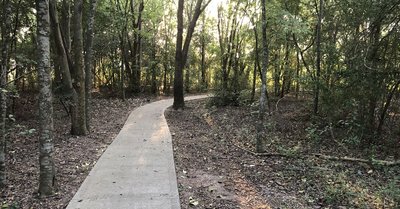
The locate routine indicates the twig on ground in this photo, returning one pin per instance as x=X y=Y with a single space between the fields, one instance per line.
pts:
x=322 y=156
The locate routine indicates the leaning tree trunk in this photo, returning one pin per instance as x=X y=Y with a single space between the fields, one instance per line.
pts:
x=5 y=26
x=69 y=92
x=89 y=59
x=261 y=142
x=46 y=147
x=80 y=121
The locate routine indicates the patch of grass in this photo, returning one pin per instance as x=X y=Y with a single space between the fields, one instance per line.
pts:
x=338 y=191
x=5 y=205
x=391 y=193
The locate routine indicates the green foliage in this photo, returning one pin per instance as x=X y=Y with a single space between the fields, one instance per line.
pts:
x=338 y=191
x=14 y=205
x=28 y=132
x=222 y=97
x=317 y=132
x=392 y=192
x=313 y=133
x=245 y=96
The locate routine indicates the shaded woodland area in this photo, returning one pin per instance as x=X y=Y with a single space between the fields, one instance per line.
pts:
x=335 y=63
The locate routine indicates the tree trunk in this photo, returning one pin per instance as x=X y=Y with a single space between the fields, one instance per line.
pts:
x=187 y=79
x=256 y=62
x=179 y=62
x=154 y=88
x=5 y=26
x=204 y=85
x=386 y=106
x=80 y=127
x=89 y=60
x=66 y=24
x=285 y=75
x=297 y=74
x=136 y=49
x=318 y=62
x=46 y=147
x=261 y=142
x=277 y=73
x=181 y=53
x=124 y=63
x=68 y=91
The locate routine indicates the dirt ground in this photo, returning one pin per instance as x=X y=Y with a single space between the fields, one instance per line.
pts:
x=74 y=156
x=216 y=170
x=213 y=167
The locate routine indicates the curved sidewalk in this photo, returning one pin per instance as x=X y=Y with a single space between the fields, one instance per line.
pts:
x=137 y=170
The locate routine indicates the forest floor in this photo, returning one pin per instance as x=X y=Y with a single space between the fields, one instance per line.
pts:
x=216 y=168
x=74 y=156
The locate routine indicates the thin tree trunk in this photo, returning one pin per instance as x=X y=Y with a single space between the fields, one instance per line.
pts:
x=123 y=63
x=154 y=89
x=318 y=62
x=277 y=73
x=253 y=88
x=5 y=26
x=204 y=85
x=46 y=147
x=66 y=24
x=139 y=46
x=256 y=61
x=89 y=60
x=386 y=107
x=68 y=91
x=261 y=142
x=285 y=75
x=79 y=73
x=136 y=49
x=297 y=74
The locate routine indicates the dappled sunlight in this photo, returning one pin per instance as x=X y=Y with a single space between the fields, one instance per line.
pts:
x=248 y=195
x=342 y=188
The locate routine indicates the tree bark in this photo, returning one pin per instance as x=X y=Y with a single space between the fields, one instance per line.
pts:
x=5 y=26
x=154 y=88
x=68 y=91
x=178 y=78
x=66 y=24
x=89 y=60
x=256 y=61
x=318 y=61
x=46 y=147
x=182 y=49
x=204 y=85
x=136 y=49
x=80 y=127
x=285 y=74
x=297 y=74
x=386 y=106
x=261 y=142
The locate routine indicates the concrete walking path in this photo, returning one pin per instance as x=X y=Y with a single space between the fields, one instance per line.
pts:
x=137 y=170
